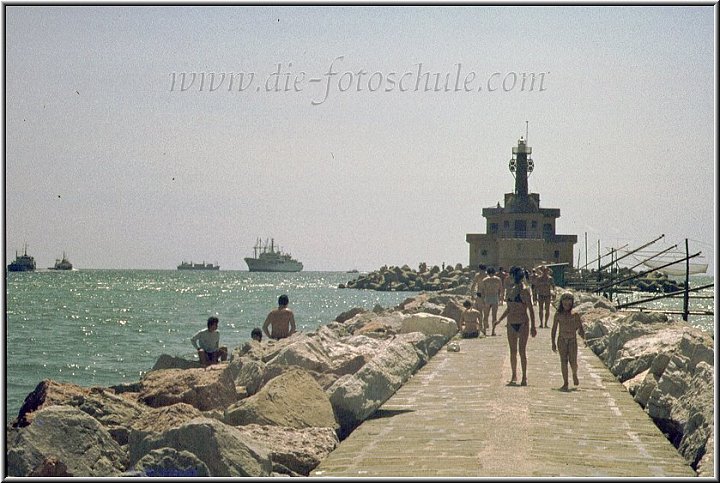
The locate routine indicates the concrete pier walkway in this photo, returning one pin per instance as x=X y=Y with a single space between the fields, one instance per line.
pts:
x=457 y=417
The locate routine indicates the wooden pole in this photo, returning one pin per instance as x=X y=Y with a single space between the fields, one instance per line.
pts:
x=687 y=282
x=599 y=257
x=586 y=251
x=612 y=257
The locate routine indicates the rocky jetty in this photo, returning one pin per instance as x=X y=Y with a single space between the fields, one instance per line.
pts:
x=406 y=279
x=277 y=408
x=657 y=282
x=668 y=367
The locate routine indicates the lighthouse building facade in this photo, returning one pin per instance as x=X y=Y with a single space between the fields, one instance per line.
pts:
x=520 y=232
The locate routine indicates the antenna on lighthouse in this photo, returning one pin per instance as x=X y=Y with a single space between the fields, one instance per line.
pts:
x=526 y=131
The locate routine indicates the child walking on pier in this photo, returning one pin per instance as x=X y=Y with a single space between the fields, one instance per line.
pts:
x=569 y=324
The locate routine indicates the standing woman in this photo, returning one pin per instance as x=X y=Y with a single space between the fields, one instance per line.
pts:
x=518 y=309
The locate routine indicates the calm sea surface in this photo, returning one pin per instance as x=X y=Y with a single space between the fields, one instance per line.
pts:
x=105 y=327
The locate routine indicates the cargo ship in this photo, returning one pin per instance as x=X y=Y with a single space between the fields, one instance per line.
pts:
x=198 y=266
x=268 y=259
x=63 y=264
x=22 y=263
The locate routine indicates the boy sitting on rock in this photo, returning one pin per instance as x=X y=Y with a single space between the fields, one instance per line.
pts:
x=207 y=344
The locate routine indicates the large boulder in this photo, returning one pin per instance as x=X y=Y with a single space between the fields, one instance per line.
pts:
x=695 y=412
x=637 y=354
x=170 y=463
x=299 y=450
x=50 y=467
x=224 y=450
x=355 y=397
x=321 y=351
x=205 y=389
x=349 y=314
x=114 y=412
x=293 y=399
x=48 y=393
x=429 y=324
x=618 y=331
x=706 y=467
x=159 y=420
x=453 y=310
x=248 y=373
x=166 y=361
x=75 y=442
x=391 y=321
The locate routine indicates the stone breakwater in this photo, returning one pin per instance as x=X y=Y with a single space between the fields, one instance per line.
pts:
x=277 y=408
x=666 y=365
x=402 y=279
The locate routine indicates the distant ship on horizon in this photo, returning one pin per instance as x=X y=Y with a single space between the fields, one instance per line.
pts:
x=198 y=266
x=22 y=263
x=267 y=259
x=62 y=264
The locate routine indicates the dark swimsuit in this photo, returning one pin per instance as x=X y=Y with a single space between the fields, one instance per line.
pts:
x=518 y=299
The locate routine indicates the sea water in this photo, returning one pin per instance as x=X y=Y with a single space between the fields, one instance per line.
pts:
x=107 y=327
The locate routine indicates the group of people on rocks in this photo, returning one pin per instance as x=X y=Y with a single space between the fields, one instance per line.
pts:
x=520 y=290
x=280 y=322
x=517 y=289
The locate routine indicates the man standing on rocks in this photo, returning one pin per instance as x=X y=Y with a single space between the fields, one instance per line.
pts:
x=280 y=320
x=207 y=344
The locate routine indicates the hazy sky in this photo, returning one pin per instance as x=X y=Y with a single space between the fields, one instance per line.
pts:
x=354 y=156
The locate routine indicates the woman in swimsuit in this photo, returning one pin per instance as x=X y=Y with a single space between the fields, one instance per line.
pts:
x=519 y=305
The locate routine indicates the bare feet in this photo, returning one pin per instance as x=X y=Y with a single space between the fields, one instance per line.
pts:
x=575 y=380
x=523 y=382
x=564 y=388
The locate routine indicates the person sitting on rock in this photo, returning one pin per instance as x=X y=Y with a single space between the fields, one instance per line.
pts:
x=256 y=334
x=568 y=324
x=470 y=321
x=281 y=320
x=207 y=344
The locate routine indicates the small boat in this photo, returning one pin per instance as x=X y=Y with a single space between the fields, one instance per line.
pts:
x=63 y=264
x=22 y=263
x=267 y=259
x=198 y=266
x=354 y=270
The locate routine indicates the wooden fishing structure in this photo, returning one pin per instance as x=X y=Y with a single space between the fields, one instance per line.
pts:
x=607 y=280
